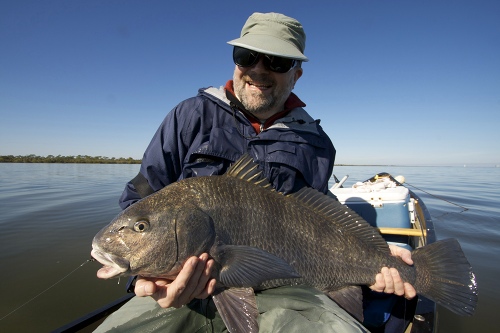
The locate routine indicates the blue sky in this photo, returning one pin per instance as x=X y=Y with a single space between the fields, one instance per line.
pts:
x=393 y=82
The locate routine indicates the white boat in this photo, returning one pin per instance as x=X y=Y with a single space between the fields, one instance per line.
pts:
x=403 y=220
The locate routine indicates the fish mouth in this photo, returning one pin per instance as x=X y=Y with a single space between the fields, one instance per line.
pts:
x=113 y=266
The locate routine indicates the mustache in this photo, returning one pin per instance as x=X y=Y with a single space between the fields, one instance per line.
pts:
x=260 y=78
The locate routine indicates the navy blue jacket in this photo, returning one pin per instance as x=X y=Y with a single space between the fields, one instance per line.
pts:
x=205 y=134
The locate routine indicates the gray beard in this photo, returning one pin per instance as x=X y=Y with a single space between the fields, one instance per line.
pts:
x=262 y=106
x=257 y=103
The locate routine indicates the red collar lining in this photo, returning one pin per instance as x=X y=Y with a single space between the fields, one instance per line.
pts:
x=291 y=103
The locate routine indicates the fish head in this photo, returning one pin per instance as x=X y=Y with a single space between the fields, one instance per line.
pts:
x=153 y=238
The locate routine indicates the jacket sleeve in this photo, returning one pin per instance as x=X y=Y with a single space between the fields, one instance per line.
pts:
x=294 y=159
x=162 y=161
x=291 y=177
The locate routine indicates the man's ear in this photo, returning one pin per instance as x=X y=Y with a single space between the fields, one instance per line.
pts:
x=297 y=74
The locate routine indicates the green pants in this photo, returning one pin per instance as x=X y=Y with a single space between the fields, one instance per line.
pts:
x=284 y=309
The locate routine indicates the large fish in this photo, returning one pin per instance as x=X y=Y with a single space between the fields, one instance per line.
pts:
x=260 y=238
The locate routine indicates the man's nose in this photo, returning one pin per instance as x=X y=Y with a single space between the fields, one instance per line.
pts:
x=259 y=65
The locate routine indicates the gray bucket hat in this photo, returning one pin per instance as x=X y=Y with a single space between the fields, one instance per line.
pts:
x=274 y=34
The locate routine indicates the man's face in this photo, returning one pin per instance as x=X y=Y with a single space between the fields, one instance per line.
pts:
x=262 y=91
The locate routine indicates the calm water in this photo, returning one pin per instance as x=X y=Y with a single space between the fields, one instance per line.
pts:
x=49 y=214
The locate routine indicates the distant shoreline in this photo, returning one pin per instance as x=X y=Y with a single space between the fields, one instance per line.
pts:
x=90 y=160
x=68 y=159
x=85 y=159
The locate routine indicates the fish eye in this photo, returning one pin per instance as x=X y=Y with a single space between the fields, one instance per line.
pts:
x=141 y=226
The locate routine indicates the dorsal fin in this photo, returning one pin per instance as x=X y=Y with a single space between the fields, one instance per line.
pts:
x=341 y=215
x=246 y=169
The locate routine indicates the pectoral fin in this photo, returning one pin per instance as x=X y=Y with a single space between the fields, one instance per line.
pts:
x=350 y=299
x=246 y=266
x=238 y=309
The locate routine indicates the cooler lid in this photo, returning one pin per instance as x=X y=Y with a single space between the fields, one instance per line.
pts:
x=394 y=194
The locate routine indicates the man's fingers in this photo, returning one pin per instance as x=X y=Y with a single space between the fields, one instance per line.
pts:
x=406 y=256
x=178 y=289
x=201 y=290
x=194 y=280
x=379 y=283
x=389 y=285
x=390 y=282
x=403 y=253
x=197 y=280
x=144 y=287
x=209 y=290
x=207 y=285
x=397 y=283
x=410 y=292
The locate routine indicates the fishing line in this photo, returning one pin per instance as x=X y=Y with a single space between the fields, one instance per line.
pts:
x=435 y=196
x=44 y=291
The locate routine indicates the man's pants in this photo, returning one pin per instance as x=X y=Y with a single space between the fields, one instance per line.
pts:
x=284 y=309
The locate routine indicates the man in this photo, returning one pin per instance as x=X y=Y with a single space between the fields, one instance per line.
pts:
x=255 y=113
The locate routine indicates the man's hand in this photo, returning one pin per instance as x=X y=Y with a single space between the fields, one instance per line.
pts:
x=389 y=280
x=193 y=281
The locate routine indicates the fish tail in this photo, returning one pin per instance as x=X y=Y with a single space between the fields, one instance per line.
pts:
x=444 y=275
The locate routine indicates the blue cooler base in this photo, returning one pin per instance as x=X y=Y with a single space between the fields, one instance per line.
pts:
x=384 y=208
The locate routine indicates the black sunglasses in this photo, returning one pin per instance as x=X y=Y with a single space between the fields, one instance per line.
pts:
x=246 y=58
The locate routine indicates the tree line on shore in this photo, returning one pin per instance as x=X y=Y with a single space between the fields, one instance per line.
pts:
x=67 y=159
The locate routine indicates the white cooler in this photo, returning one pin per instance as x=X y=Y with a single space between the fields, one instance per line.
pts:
x=386 y=207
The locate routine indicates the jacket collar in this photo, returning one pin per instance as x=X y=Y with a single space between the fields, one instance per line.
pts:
x=294 y=117
x=291 y=103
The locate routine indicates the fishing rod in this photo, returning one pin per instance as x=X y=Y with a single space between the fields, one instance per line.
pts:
x=464 y=209
x=398 y=181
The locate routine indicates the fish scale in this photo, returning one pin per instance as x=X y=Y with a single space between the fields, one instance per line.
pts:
x=294 y=232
